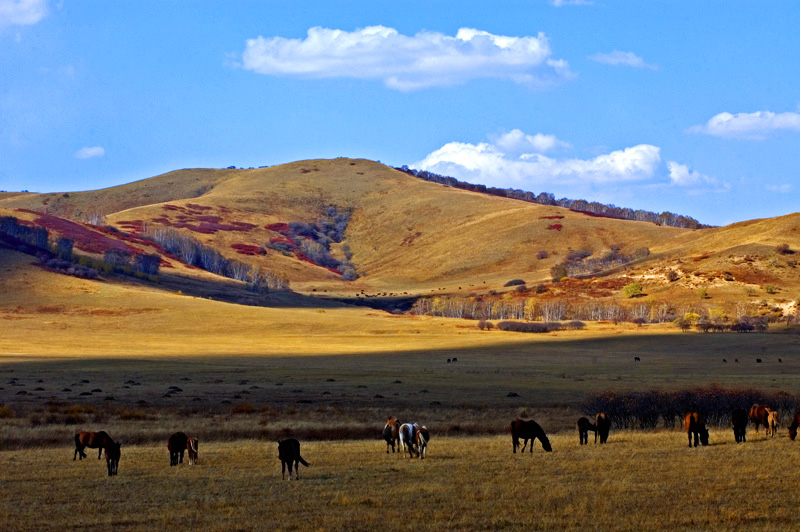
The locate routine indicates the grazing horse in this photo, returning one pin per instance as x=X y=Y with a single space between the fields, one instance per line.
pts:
x=391 y=433
x=793 y=426
x=93 y=440
x=113 y=454
x=739 y=419
x=289 y=453
x=584 y=426
x=759 y=415
x=177 y=444
x=772 y=419
x=407 y=436
x=192 y=446
x=423 y=437
x=603 y=424
x=695 y=425
x=528 y=430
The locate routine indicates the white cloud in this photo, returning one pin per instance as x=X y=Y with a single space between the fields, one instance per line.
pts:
x=90 y=152
x=403 y=62
x=22 y=12
x=517 y=141
x=489 y=164
x=559 y=3
x=783 y=189
x=622 y=58
x=683 y=176
x=749 y=125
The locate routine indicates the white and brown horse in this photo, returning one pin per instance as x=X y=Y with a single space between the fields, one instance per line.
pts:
x=413 y=439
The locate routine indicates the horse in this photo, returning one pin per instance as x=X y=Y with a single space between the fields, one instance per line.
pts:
x=391 y=433
x=772 y=418
x=793 y=426
x=407 y=436
x=739 y=419
x=528 y=430
x=603 y=424
x=93 y=440
x=192 y=445
x=584 y=426
x=695 y=425
x=423 y=437
x=177 y=444
x=113 y=454
x=289 y=453
x=759 y=415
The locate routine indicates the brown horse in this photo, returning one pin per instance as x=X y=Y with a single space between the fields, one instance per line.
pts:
x=93 y=440
x=192 y=445
x=603 y=424
x=584 y=426
x=759 y=415
x=793 y=426
x=739 y=420
x=289 y=454
x=177 y=445
x=113 y=454
x=391 y=433
x=695 y=425
x=423 y=436
x=772 y=419
x=528 y=430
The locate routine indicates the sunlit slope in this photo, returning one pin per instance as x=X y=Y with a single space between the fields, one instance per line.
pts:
x=406 y=234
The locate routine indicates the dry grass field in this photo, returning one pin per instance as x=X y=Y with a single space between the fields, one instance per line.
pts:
x=637 y=482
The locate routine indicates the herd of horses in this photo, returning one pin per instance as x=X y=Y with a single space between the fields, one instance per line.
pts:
x=413 y=438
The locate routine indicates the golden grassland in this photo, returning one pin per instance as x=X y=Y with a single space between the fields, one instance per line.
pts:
x=638 y=481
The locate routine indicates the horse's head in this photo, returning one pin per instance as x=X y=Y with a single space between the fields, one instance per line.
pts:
x=545 y=443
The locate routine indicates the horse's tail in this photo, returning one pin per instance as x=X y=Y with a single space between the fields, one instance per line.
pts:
x=300 y=459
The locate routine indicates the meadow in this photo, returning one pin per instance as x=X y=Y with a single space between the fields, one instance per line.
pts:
x=638 y=481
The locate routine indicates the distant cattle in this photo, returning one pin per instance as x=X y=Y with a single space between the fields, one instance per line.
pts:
x=603 y=424
x=759 y=415
x=637 y=359
x=695 y=426
x=289 y=454
x=739 y=420
x=584 y=426
x=528 y=430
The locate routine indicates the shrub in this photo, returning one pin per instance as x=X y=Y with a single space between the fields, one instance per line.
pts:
x=485 y=325
x=558 y=272
x=783 y=249
x=672 y=276
x=702 y=293
x=632 y=290
x=770 y=289
x=514 y=282
x=147 y=264
x=541 y=289
x=6 y=412
x=117 y=257
x=534 y=327
x=578 y=255
x=542 y=255
x=64 y=248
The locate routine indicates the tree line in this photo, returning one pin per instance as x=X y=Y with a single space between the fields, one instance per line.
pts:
x=591 y=208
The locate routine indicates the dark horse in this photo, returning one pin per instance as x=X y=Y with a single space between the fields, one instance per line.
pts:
x=289 y=453
x=603 y=424
x=793 y=426
x=584 y=426
x=177 y=444
x=759 y=415
x=695 y=425
x=739 y=419
x=100 y=441
x=528 y=430
x=391 y=433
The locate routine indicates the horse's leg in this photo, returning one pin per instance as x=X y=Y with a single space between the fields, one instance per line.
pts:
x=296 y=470
x=690 y=438
x=283 y=470
x=99 y=452
x=514 y=443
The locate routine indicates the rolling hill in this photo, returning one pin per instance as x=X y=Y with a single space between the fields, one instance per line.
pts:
x=409 y=237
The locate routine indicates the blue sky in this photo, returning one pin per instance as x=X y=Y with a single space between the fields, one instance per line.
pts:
x=686 y=106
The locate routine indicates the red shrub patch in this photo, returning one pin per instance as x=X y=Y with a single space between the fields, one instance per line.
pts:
x=279 y=227
x=173 y=208
x=196 y=207
x=557 y=227
x=553 y=217
x=247 y=249
x=83 y=238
